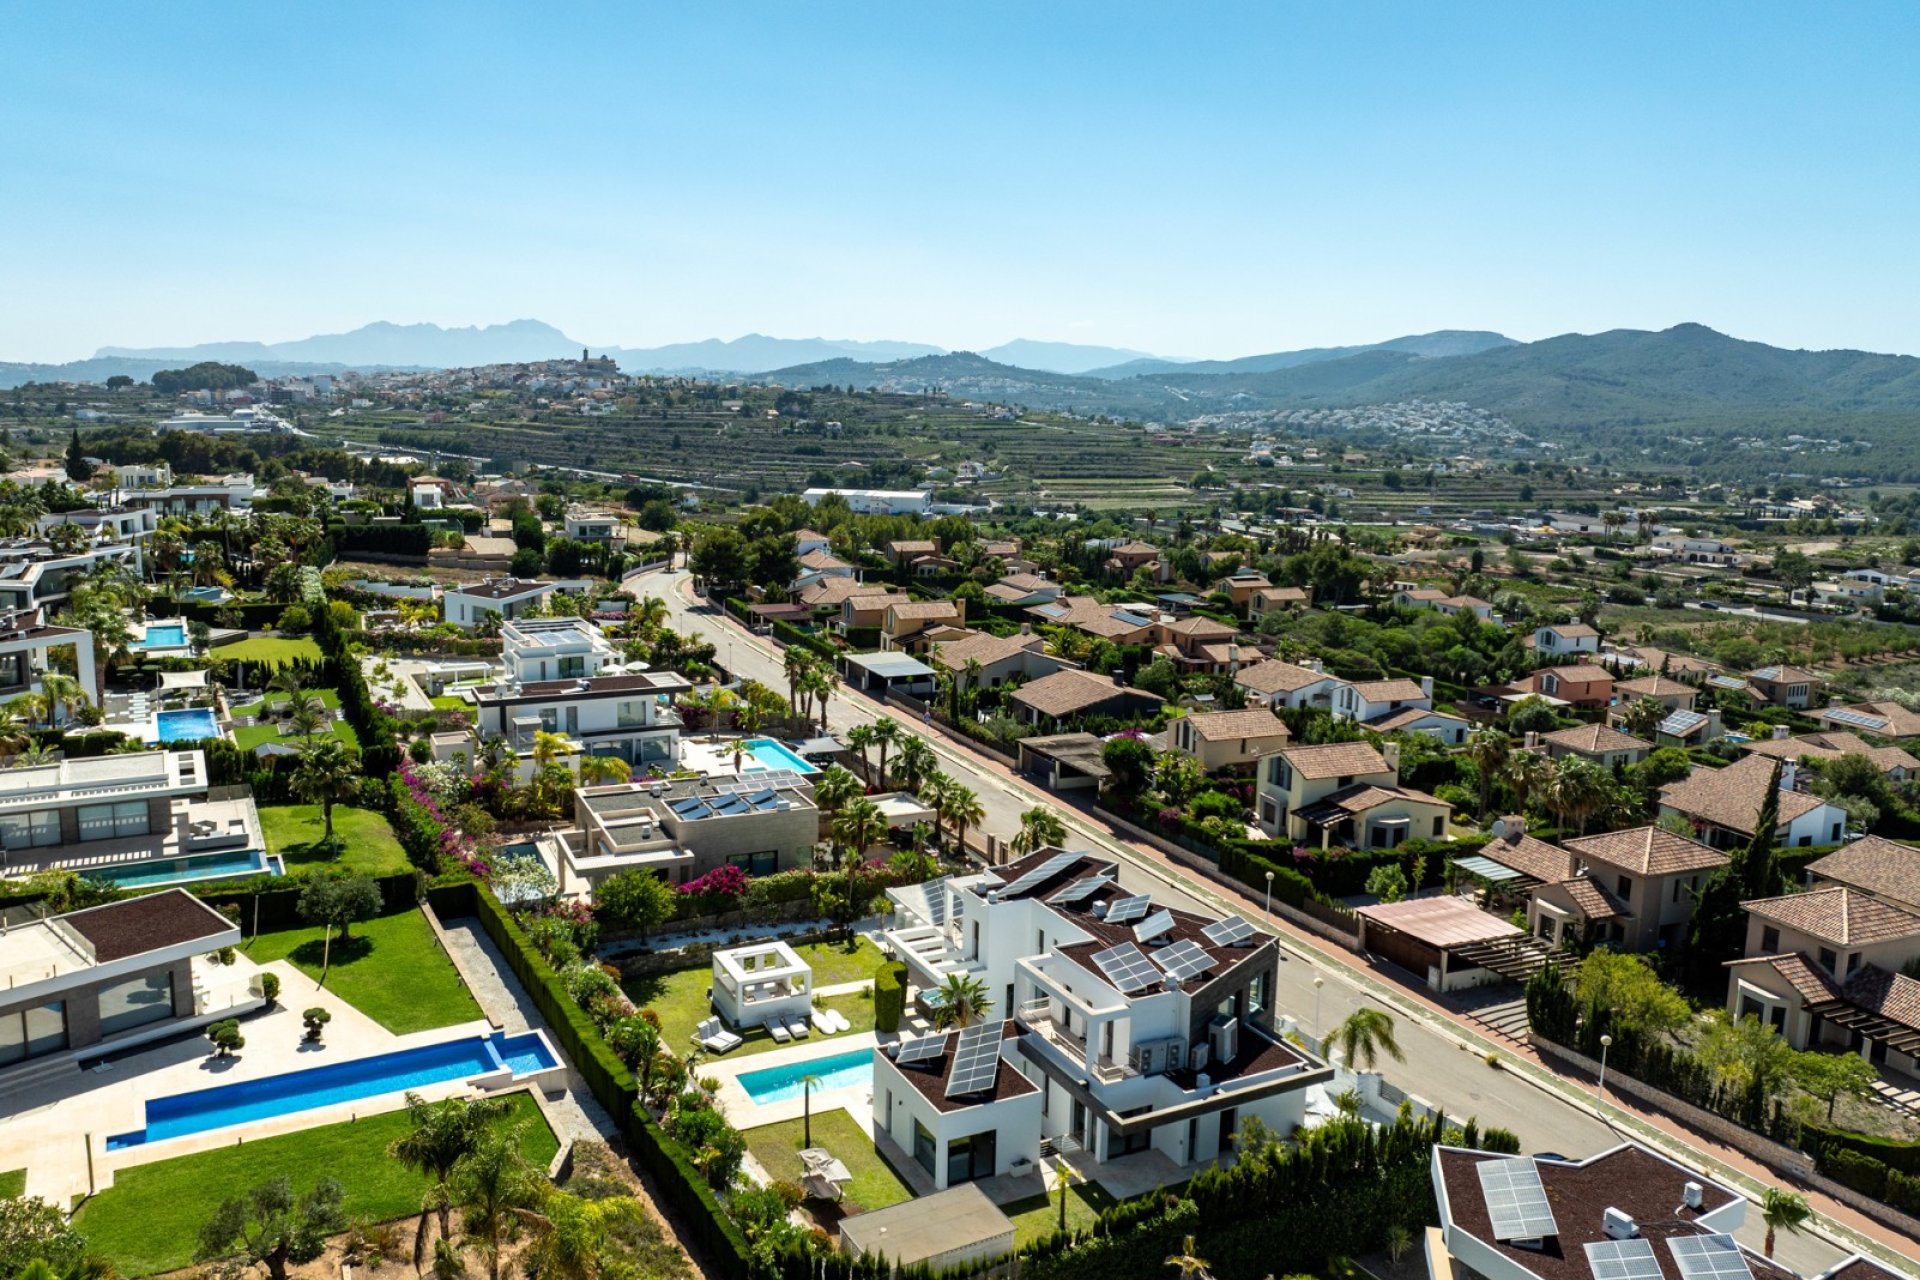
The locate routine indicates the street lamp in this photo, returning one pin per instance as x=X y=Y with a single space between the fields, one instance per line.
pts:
x=1318 y=982
x=1600 y=1093
x=1268 y=909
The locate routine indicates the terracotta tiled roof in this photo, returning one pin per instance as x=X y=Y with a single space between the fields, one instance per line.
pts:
x=1335 y=760
x=1277 y=677
x=1400 y=719
x=1595 y=739
x=922 y=610
x=1224 y=726
x=1831 y=746
x=1785 y=675
x=1593 y=900
x=1530 y=857
x=830 y=592
x=1839 y=915
x=1282 y=595
x=1651 y=851
x=1655 y=686
x=1205 y=628
x=1875 y=865
x=1390 y=690
x=1578 y=673
x=1066 y=692
x=1359 y=798
x=1731 y=797
x=987 y=648
x=1571 y=630
x=1900 y=722
x=1893 y=996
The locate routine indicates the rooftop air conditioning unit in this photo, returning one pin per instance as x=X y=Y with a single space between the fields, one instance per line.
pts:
x=1100 y=911
x=1618 y=1225
x=1223 y=1033
x=1176 y=1054
x=1695 y=1195
x=1201 y=1056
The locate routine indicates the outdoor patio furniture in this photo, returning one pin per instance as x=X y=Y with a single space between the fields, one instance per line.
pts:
x=713 y=1036
x=840 y=1022
x=823 y=1022
x=778 y=1030
x=797 y=1028
x=823 y=1176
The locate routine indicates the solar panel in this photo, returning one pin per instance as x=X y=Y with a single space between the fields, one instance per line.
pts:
x=1623 y=1260
x=1516 y=1201
x=1126 y=967
x=1859 y=719
x=1157 y=925
x=1080 y=890
x=1231 y=931
x=1714 y=1257
x=976 y=1060
x=1128 y=909
x=1184 y=959
x=687 y=805
x=1681 y=723
x=1041 y=874
x=761 y=798
x=921 y=1049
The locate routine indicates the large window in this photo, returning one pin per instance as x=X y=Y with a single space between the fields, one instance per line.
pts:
x=30 y=830
x=925 y=1150
x=28 y=1033
x=136 y=1001
x=763 y=863
x=112 y=821
x=572 y=668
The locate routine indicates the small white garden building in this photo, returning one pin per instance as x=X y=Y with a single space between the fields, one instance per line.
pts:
x=764 y=982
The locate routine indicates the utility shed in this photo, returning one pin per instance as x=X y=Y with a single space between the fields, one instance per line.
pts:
x=951 y=1227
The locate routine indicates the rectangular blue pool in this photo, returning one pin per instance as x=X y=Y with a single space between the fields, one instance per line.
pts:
x=216 y=1108
x=771 y=754
x=778 y=1084
x=185 y=726
x=170 y=635
x=209 y=866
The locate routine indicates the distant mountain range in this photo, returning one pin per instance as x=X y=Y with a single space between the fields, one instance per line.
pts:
x=1445 y=342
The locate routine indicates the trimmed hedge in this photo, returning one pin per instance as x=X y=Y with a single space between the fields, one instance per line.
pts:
x=683 y=1187
x=1892 y=1152
x=382 y=539
x=279 y=908
x=787 y=633
x=889 y=997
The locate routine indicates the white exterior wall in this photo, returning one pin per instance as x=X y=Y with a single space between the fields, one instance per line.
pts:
x=898 y=1106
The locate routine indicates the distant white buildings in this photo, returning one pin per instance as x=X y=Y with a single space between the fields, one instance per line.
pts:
x=466 y=604
x=877 y=502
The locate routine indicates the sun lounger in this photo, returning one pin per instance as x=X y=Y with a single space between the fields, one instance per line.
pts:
x=778 y=1030
x=840 y=1022
x=823 y=1022
x=721 y=1040
x=797 y=1028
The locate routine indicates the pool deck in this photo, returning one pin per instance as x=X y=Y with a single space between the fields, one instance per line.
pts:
x=236 y=813
x=744 y=1113
x=48 y=1126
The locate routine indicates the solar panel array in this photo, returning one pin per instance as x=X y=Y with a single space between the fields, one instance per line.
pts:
x=1516 y=1200
x=1080 y=890
x=1127 y=910
x=1858 y=719
x=1623 y=1260
x=1726 y=682
x=1126 y=967
x=1157 y=925
x=976 y=1060
x=921 y=1049
x=1041 y=874
x=1714 y=1257
x=761 y=780
x=1681 y=722
x=1184 y=959
x=1231 y=931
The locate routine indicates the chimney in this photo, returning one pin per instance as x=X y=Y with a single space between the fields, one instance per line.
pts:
x=1714 y=730
x=1316 y=666
x=1789 y=774
x=1391 y=752
x=1695 y=1195
x=1780 y=731
x=1026 y=628
x=1233 y=659
x=1426 y=687
x=1533 y=740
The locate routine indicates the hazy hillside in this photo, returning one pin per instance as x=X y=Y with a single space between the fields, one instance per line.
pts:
x=100 y=368
x=1069 y=357
x=1442 y=343
x=424 y=346
x=758 y=351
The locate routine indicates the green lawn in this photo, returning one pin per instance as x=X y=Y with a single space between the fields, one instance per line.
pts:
x=1037 y=1217
x=147 y=1221
x=250 y=736
x=391 y=969
x=448 y=702
x=368 y=845
x=875 y=1185
x=273 y=650
x=13 y=1184
x=679 y=996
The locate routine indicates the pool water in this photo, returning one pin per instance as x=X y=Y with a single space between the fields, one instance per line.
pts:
x=212 y=866
x=168 y=636
x=780 y=1084
x=770 y=754
x=185 y=726
x=184 y=1113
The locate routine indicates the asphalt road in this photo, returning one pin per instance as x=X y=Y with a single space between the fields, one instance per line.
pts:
x=1440 y=1066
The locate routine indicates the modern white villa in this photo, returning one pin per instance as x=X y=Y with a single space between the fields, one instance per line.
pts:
x=563 y=676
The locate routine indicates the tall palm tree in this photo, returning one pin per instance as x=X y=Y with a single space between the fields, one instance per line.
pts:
x=1363 y=1037
x=860 y=738
x=934 y=792
x=1783 y=1211
x=886 y=732
x=963 y=1001
x=799 y=663
x=64 y=694
x=858 y=826
x=1488 y=749
x=963 y=811
x=917 y=762
x=492 y=1183
x=34 y=708
x=833 y=788
x=807 y=1082
x=290 y=680
x=547 y=748
x=309 y=714
x=1527 y=773
x=820 y=686
x=326 y=774
x=1577 y=790
x=1040 y=828
x=603 y=769
x=440 y=1134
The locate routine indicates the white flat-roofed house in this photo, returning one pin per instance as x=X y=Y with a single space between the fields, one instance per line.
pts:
x=877 y=502
x=142 y=475
x=105 y=526
x=535 y=649
x=35 y=576
x=626 y=715
x=465 y=604
x=682 y=829
x=26 y=649
x=229 y=493
x=1141 y=1028
x=102 y=813
x=429 y=493
x=592 y=526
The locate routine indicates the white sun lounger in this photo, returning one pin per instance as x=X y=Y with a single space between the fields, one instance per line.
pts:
x=778 y=1030
x=713 y=1036
x=840 y=1022
x=797 y=1028
x=823 y=1022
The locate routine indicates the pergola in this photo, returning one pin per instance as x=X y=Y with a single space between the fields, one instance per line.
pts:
x=1873 y=1026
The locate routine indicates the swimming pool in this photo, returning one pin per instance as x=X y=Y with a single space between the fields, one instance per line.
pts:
x=210 y=866
x=164 y=635
x=779 y=1084
x=231 y=1104
x=776 y=755
x=185 y=726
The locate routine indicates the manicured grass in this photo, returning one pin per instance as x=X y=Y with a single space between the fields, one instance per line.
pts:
x=447 y=702
x=368 y=846
x=273 y=650
x=680 y=998
x=1037 y=1217
x=13 y=1184
x=148 y=1220
x=390 y=968
x=875 y=1185
x=250 y=736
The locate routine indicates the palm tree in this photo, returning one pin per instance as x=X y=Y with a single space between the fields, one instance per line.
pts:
x=492 y=1184
x=603 y=769
x=1577 y=790
x=289 y=680
x=1782 y=1211
x=1642 y=717
x=934 y=792
x=1527 y=773
x=1488 y=749
x=569 y=1238
x=821 y=682
x=860 y=738
x=858 y=826
x=441 y=1133
x=917 y=761
x=326 y=774
x=1189 y=1266
x=834 y=788
x=63 y=693
x=963 y=810
x=807 y=1082
x=33 y=754
x=1363 y=1037
x=799 y=663
x=309 y=714
x=1040 y=828
x=34 y=708
x=973 y=670
x=963 y=1001
x=547 y=748
x=886 y=732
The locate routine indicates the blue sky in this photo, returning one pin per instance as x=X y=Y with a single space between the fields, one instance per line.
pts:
x=1203 y=180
